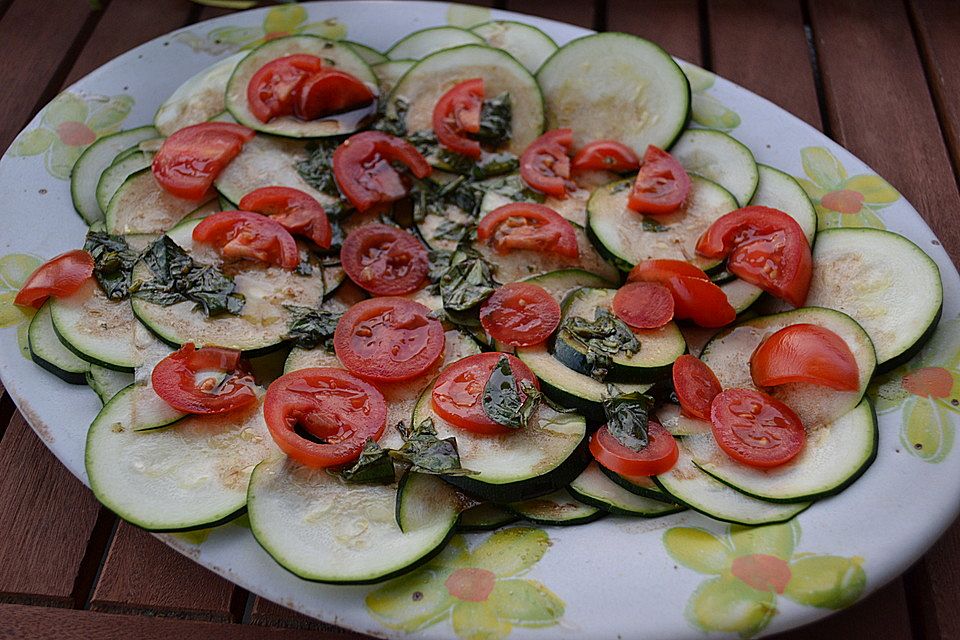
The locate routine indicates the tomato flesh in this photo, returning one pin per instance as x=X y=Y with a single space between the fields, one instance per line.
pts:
x=272 y=90
x=756 y=429
x=385 y=260
x=695 y=385
x=457 y=114
x=661 y=269
x=606 y=155
x=59 y=277
x=189 y=380
x=528 y=226
x=695 y=297
x=244 y=235
x=661 y=186
x=363 y=168
x=659 y=456
x=388 y=339
x=190 y=159
x=328 y=92
x=458 y=393
x=520 y=314
x=333 y=406
x=296 y=211
x=805 y=353
x=644 y=305
x=545 y=164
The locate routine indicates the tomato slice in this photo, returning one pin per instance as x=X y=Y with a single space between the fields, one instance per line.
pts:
x=59 y=277
x=755 y=428
x=661 y=269
x=272 y=90
x=385 y=260
x=388 y=339
x=644 y=305
x=661 y=186
x=457 y=114
x=331 y=405
x=363 y=168
x=765 y=247
x=330 y=91
x=190 y=160
x=248 y=235
x=520 y=314
x=192 y=380
x=531 y=226
x=659 y=456
x=545 y=164
x=458 y=393
x=805 y=353
x=606 y=155
x=695 y=385
x=694 y=296
x=292 y=209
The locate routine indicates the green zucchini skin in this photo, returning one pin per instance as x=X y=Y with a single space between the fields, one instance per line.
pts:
x=48 y=351
x=643 y=492
x=540 y=514
x=485 y=517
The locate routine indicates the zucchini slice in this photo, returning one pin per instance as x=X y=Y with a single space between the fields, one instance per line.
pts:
x=679 y=425
x=559 y=509
x=529 y=45
x=199 y=98
x=782 y=191
x=370 y=55
x=595 y=488
x=389 y=73
x=615 y=86
x=117 y=173
x=337 y=54
x=642 y=486
x=721 y=158
x=141 y=205
x=563 y=282
x=424 y=42
x=107 y=383
x=485 y=516
x=97 y=329
x=49 y=352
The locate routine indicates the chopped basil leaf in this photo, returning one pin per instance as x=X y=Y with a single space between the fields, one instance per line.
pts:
x=317 y=168
x=395 y=124
x=113 y=261
x=514 y=188
x=501 y=399
x=439 y=263
x=374 y=466
x=467 y=282
x=310 y=328
x=628 y=415
x=602 y=338
x=496 y=116
x=649 y=224
x=426 y=453
x=453 y=230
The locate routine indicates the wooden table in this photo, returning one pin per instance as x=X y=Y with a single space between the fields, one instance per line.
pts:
x=881 y=77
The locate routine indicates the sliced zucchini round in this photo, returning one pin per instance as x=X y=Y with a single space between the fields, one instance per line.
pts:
x=424 y=42
x=720 y=158
x=97 y=329
x=370 y=55
x=563 y=282
x=141 y=205
x=782 y=191
x=117 y=173
x=679 y=425
x=49 y=352
x=595 y=488
x=529 y=45
x=107 y=383
x=389 y=73
x=741 y=294
x=443 y=232
x=559 y=509
x=642 y=486
x=485 y=516
x=199 y=98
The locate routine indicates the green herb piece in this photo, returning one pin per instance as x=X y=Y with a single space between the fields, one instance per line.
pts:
x=453 y=230
x=439 y=263
x=496 y=116
x=501 y=399
x=628 y=416
x=113 y=261
x=467 y=282
x=602 y=338
x=649 y=224
x=374 y=466
x=317 y=168
x=425 y=141
x=426 y=453
x=394 y=124
x=310 y=328
x=512 y=187
x=304 y=268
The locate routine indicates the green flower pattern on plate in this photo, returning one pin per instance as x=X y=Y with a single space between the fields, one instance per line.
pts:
x=70 y=124
x=751 y=568
x=706 y=110
x=480 y=591
x=928 y=390
x=14 y=270
x=842 y=200
x=286 y=20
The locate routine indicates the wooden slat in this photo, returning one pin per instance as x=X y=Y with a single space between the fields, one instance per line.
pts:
x=270 y=614
x=933 y=586
x=673 y=24
x=579 y=12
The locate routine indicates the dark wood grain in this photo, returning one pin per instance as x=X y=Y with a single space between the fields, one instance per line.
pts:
x=267 y=613
x=933 y=588
x=673 y=24
x=578 y=12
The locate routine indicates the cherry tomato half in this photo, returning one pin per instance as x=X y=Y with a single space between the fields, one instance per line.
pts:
x=755 y=428
x=388 y=339
x=661 y=269
x=531 y=226
x=805 y=353
x=328 y=92
x=59 y=277
x=272 y=90
x=294 y=210
x=694 y=296
x=457 y=114
x=192 y=380
x=643 y=305
x=363 y=168
x=520 y=314
x=331 y=405
x=458 y=393
x=661 y=186
x=190 y=159
x=545 y=164
x=248 y=235
x=659 y=456
x=695 y=385
x=606 y=155
x=765 y=247
x=385 y=260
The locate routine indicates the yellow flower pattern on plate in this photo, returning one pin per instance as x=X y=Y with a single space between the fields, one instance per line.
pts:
x=14 y=270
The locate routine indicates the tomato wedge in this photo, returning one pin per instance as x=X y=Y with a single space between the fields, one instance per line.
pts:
x=606 y=155
x=545 y=164
x=272 y=90
x=332 y=406
x=520 y=314
x=190 y=160
x=59 y=277
x=644 y=305
x=292 y=209
x=457 y=114
x=204 y=381
x=330 y=91
x=805 y=353
x=695 y=385
x=363 y=168
x=458 y=393
x=250 y=236
x=661 y=186
x=659 y=456
x=755 y=428
x=765 y=247
x=388 y=339
x=530 y=226
x=385 y=260
x=661 y=269
x=694 y=296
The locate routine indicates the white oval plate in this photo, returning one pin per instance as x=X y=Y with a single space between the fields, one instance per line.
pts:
x=670 y=577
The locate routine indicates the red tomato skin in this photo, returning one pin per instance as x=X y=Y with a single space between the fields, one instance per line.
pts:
x=772 y=436
x=385 y=260
x=644 y=305
x=363 y=171
x=388 y=339
x=606 y=155
x=457 y=395
x=661 y=186
x=174 y=380
x=59 y=277
x=760 y=240
x=695 y=297
x=661 y=269
x=520 y=314
x=248 y=235
x=528 y=225
x=302 y=398
x=294 y=210
x=272 y=90
x=456 y=114
x=658 y=457
x=695 y=385
x=328 y=92
x=190 y=159
x=545 y=164
x=805 y=353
